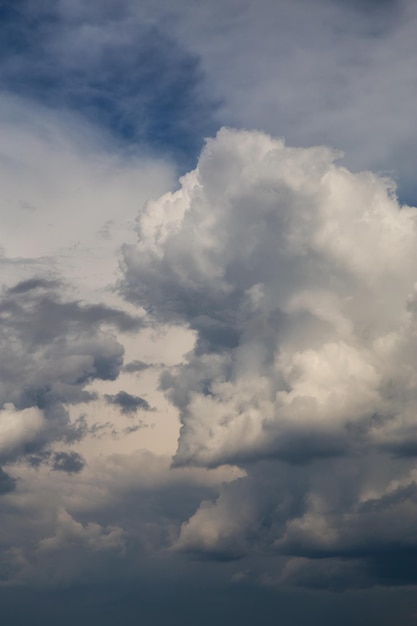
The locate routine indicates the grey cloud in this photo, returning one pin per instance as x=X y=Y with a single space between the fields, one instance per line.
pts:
x=321 y=72
x=371 y=529
x=118 y=69
x=403 y=448
x=7 y=482
x=59 y=558
x=326 y=574
x=32 y=283
x=133 y=429
x=324 y=538
x=127 y=402
x=113 y=520
x=337 y=545
x=389 y=568
x=136 y=366
x=40 y=458
x=69 y=462
x=248 y=513
x=50 y=315
x=52 y=348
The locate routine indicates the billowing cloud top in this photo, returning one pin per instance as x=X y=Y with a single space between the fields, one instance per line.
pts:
x=298 y=278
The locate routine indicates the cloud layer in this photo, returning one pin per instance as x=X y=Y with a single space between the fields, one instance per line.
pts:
x=207 y=399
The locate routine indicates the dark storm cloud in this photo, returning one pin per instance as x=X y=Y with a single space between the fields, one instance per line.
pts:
x=403 y=449
x=386 y=568
x=345 y=544
x=112 y=521
x=127 y=402
x=128 y=75
x=358 y=545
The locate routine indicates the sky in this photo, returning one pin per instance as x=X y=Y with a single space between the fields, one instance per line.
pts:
x=208 y=307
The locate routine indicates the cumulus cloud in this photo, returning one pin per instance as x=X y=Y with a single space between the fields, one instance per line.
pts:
x=298 y=279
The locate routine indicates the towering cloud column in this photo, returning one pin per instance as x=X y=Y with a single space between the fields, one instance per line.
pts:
x=298 y=278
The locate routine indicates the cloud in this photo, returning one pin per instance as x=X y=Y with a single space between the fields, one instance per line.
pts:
x=271 y=298
x=19 y=428
x=298 y=278
x=59 y=559
x=70 y=462
x=70 y=531
x=52 y=349
x=7 y=483
x=220 y=530
x=127 y=402
x=125 y=74
x=112 y=521
x=323 y=72
x=136 y=366
x=319 y=72
x=331 y=574
x=306 y=272
x=62 y=324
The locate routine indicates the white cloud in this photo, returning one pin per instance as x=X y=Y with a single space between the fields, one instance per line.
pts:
x=298 y=277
